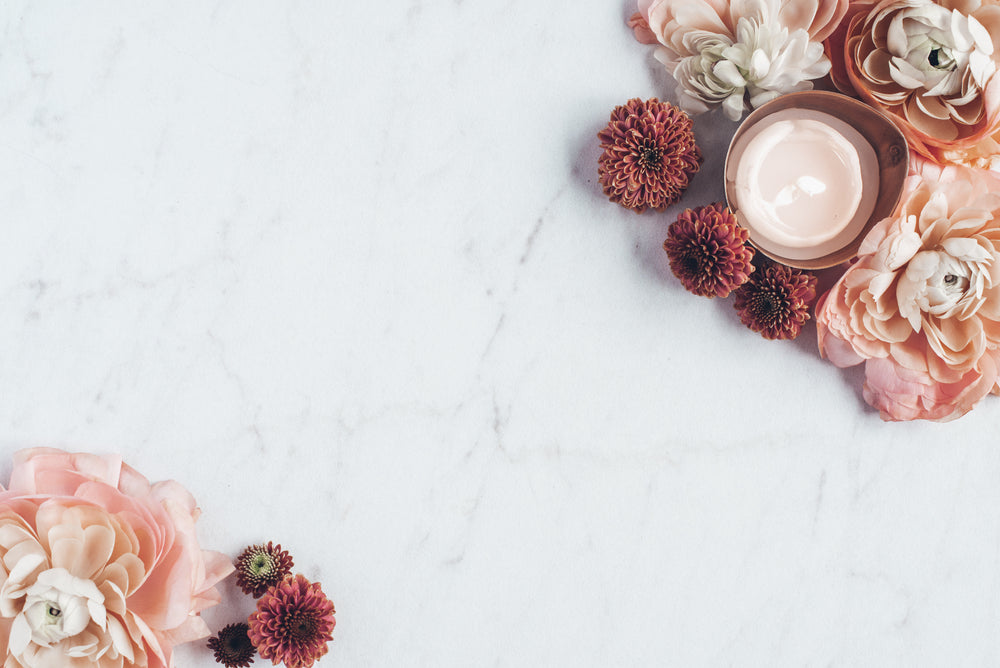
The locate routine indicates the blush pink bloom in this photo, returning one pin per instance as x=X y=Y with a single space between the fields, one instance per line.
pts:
x=98 y=568
x=668 y=20
x=921 y=306
x=932 y=65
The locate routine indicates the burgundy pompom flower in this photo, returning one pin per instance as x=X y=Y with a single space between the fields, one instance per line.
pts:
x=293 y=623
x=708 y=252
x=232 y=646
x=776 y=300
x=649 y=155
x=261 y=566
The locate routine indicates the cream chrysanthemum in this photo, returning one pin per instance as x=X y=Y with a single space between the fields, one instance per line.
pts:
x=741 y=54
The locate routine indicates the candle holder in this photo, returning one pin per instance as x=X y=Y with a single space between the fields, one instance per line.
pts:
x=831 y=167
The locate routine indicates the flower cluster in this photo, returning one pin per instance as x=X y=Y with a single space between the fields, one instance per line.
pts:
x=708 y=253
x=101 y=569
x=739 y=54
x=294 y=620
x=98 y=567
x=930 y=64
x=920 y=304
x=921 y=307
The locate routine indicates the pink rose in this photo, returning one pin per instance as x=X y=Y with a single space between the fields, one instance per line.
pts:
x=922 y=303
x=98 y=568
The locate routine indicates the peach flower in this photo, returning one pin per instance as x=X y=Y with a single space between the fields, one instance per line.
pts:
x=922 y=303
x=738 y=54
x=98 y=568
x=932 y=65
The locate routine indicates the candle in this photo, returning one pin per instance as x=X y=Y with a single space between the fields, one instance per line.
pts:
x=803 y=182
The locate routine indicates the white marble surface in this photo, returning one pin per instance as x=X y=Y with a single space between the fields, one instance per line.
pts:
x=344 y=270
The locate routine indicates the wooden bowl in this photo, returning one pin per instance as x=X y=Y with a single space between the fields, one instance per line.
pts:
x=877 y=129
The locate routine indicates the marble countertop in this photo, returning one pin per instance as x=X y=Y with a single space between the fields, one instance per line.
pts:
x=345 y=271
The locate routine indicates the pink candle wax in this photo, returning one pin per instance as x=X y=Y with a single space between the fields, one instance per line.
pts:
x=805 y=183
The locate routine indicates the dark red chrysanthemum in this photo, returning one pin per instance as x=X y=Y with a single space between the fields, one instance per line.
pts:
x=707 y=250
x=649 y=155
x=293 y=623
x=261 y=566
x=776 y=300
x=232 y=646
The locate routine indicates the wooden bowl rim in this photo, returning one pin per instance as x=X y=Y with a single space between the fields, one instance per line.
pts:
x=876 y=127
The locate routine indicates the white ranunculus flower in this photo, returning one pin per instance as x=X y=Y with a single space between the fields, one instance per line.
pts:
x=99 y=568
x=948 y=280
x=940 y=53
x=57 y=607
x=921 y=305
x=932 y=65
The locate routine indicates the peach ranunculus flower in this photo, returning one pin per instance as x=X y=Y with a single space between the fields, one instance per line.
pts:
x=738 y=54
x=932 y=65
x=98 y=568
x=921 y=306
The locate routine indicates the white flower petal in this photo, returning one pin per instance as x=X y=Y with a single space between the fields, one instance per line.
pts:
x=880 y=283
x=759 y=65
x=905 y=74
x=692 y=104
x=75 y=615
x=97 y=612
x=733 y=106
x=981 y=36
x=961 y=37
x=763 y=97
x=935 y=209
x=14 y=586
x=901 y=249
x=896 y=39
x=966 y=249
x=120 y=639
x=726 y=72
x=20 y=636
